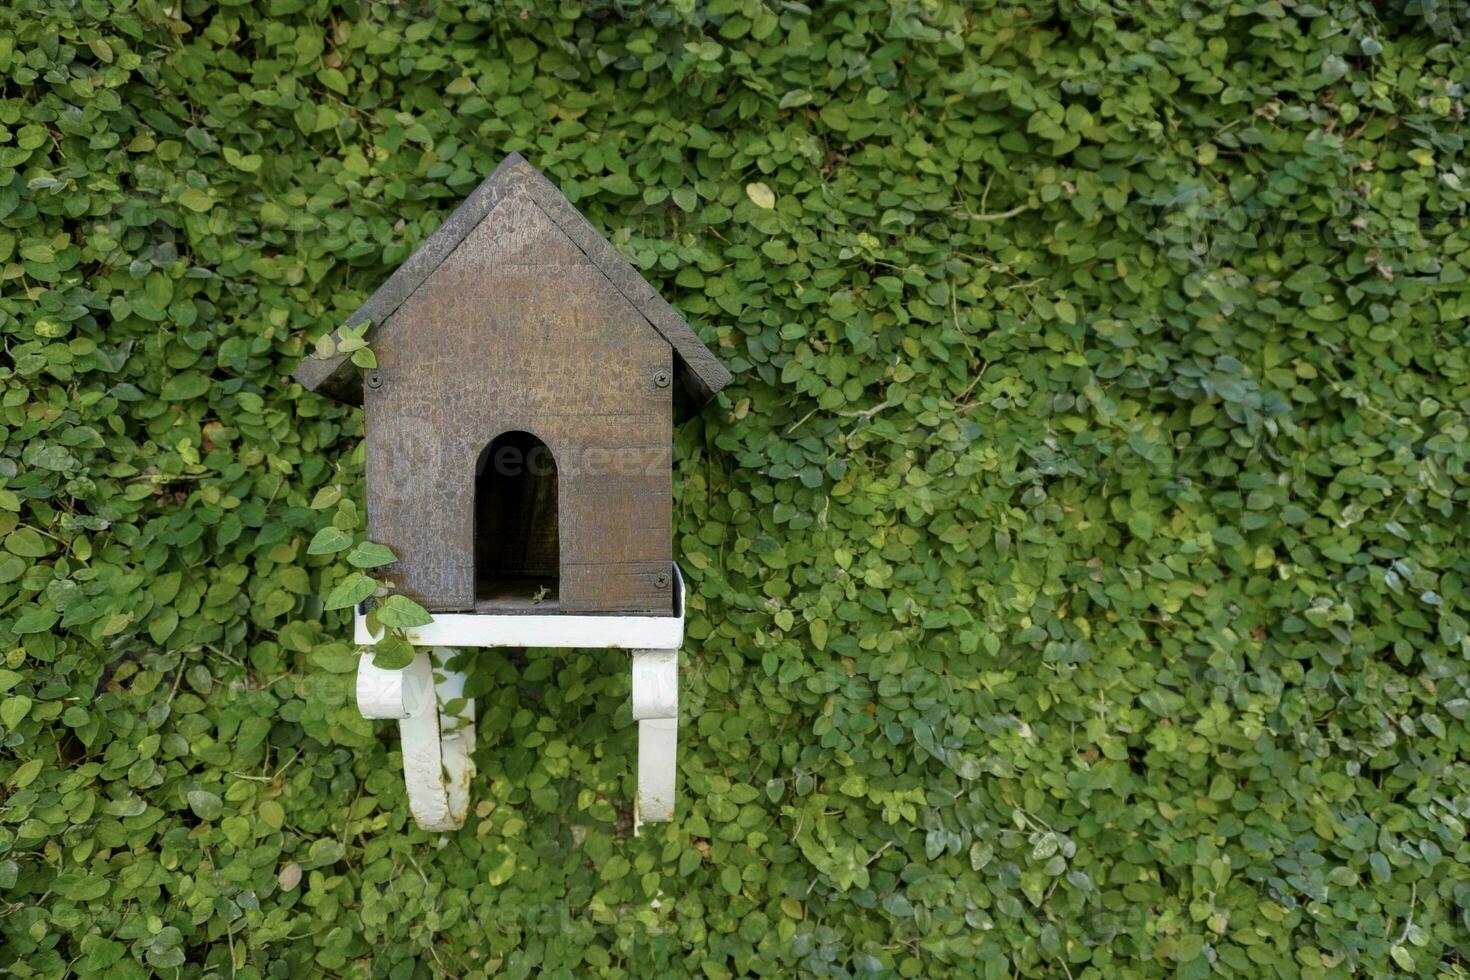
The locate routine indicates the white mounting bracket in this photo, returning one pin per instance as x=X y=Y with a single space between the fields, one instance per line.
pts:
x=438 y=747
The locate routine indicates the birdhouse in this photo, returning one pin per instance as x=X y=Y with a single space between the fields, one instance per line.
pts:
x=519 y=425
x=520 y=420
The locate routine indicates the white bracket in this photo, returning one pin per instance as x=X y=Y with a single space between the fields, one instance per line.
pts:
x=656 y=709
x=438 y=748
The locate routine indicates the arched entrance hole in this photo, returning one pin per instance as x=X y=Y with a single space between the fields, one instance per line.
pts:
x=517 y=552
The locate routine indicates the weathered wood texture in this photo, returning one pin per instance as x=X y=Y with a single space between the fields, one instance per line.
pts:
x=703 y=375
x=335 y=375
x=698 y=369
x=517 y=329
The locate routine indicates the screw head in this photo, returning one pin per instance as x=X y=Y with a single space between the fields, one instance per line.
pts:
x=661 y=379
x=661 y=580
x=375 y=380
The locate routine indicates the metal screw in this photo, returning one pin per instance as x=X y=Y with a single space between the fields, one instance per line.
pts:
x=661 y=580
x=375 y=380
x=661 y=380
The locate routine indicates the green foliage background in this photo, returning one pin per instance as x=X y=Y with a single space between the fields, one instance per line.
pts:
x=1079 y=588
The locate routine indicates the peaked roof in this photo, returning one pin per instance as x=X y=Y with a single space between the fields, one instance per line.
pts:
x=700 y=370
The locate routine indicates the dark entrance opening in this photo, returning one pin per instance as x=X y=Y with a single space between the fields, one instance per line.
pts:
x=517 y=554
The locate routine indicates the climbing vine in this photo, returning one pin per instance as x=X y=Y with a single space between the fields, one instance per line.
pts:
x=1076 y=564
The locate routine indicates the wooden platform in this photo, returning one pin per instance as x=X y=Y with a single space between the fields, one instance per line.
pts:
x=527 y=597
x=536 y=629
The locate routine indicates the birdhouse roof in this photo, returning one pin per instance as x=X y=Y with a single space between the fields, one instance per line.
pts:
x=701 y=372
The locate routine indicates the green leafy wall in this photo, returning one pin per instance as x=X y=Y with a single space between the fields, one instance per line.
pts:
x=1078 y=556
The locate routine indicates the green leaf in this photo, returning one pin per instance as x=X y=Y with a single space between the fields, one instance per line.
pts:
x=393 y=652
x=399 y=612
x=13 y=709
x=328 y=541
x=326 y=497
x=501 y=867
x=350 y=591
x=34 y=619
x=12 y=568
x=760 y=195
x=369 y=554
x=272 y=814
x=195 y=199
x=333 y=79
x=248 y=162
x=27 y=543
x=620 y=184
x=206 y=805
x=185 y=387
x=236 y=830
x=818 y=629
x=26 y=773
x=353 y=337
x=325 y=852
x=162 y=626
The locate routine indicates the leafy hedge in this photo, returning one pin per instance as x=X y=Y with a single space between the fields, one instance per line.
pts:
x=1079 y=553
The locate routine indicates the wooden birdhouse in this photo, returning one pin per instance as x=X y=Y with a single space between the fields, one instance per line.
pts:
x=519 y=425
x=520 y=419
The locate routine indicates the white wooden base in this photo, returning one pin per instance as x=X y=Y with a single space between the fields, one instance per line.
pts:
x=438 y=749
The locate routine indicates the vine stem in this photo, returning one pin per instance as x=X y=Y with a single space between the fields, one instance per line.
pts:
x=997 y=215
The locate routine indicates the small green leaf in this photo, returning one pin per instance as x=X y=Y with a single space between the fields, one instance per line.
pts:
x=206 y=805
x=248 y=162
x=185 y=387
x=393 y=653
x=272 y=814
x=27 y=543
x=236 y=830
x=760 y=195
x=162 y=626
x=12 y=568
x=325 y=851
x=350 y=591
x=196 y=200
x=27 y=773
x=36 y=619
x=400 y=612
x=328 y=541
x=620 y=184
x=819 y=633
x=370 y=554
x=326 y=497
x=354 y=337
x=333 y=79
x=14 y=709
